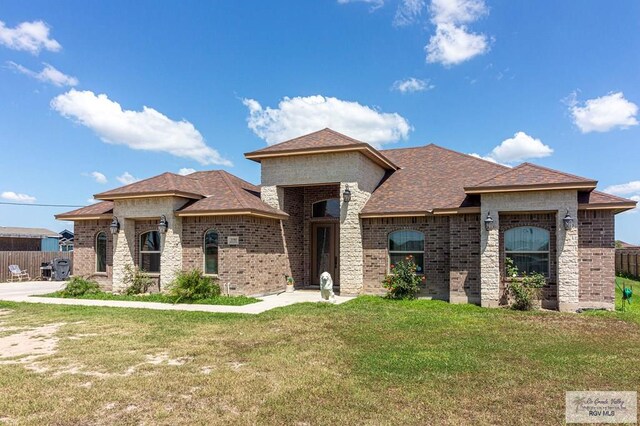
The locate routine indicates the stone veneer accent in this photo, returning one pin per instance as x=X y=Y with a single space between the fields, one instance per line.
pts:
x=255 y=266
x=84 y=251
x=566 y=241
x=596 y=248
x=436 y=251
x=125 y=253
x=352 y=168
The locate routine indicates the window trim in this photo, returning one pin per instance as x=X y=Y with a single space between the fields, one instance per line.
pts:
x=326 y=217
x=140 y=252
x=389 y=252
x=204 y=253
x=547 y=275
x=95 y=266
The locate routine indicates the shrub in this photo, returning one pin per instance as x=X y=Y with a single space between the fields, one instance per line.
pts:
x=192 y=285
x=402 y=282
x=524 y=288
x=79 y=287
x=136 y=281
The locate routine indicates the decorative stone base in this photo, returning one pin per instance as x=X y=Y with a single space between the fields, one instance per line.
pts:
x=609 y=306
x=459 y=299
x=490 y=303
x=568 y=307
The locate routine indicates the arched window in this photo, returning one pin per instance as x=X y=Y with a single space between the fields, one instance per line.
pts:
x=150 y=251
x=326 y=208
x=101 y=252
x=528 y=247
x=211 y=252
x=407 y=243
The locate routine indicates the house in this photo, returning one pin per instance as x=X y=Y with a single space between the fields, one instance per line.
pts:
x=66 y=242
x=328 y=202
x=28 y=239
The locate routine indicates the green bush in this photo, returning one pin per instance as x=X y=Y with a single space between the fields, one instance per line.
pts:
x=79 y=287
x=192 y=285
x=402 y=282
x=136 y=281
x=524 y=288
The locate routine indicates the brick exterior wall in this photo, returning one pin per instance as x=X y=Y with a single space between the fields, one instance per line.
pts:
x=596 y=247
x=293 y=231
x=255 y=266
x=311 y=195
x=540 y=220
x=84 y=252
x=464 y=258
x=436 y=234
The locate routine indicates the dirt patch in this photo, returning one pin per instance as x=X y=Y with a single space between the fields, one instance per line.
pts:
x=29 y=345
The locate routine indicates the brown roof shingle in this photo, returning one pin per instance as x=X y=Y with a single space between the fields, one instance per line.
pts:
x=104 y=208
x=430 y=177
x=530 y=176
x=596 y=199
x=161 y=184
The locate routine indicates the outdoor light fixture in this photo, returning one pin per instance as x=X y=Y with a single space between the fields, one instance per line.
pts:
x=115 y=226
x=568 y=221
x=346 y=195
x=163 y=225
x=489 y=222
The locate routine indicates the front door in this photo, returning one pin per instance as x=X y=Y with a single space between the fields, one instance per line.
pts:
x=324 y=251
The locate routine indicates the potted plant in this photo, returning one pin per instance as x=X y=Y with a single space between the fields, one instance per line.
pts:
x=290 y=283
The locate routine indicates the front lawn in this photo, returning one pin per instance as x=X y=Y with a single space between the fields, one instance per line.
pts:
x=369 y=361
x=159 y=298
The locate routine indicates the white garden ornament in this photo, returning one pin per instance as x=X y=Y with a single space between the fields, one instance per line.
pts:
x=326 y=288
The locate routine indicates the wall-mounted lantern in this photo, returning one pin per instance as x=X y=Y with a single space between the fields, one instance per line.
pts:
x=163 y=225
x=346 y=195
x=568 y=221
x=115 y=226
x=489 y=223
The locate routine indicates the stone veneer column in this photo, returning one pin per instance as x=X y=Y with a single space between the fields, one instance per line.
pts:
x=171 y=256
x=123 y=247
x=568 y=268
x=351 y=251
x=273 y=196
x=489 y=261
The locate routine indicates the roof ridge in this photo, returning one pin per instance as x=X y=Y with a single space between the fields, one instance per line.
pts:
x=453 y=151
x=234 y=189
x=556 y=171
x=237 y=177
x=498 y=175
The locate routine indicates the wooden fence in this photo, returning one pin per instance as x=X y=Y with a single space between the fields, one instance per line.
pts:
x=29 y=261
x=628 y=261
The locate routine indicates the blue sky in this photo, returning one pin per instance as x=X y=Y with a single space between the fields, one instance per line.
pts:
x=554 y=83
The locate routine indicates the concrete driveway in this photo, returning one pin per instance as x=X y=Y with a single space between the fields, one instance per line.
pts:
x=24 y=292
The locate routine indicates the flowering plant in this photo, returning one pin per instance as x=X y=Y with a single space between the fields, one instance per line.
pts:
x=402 y=282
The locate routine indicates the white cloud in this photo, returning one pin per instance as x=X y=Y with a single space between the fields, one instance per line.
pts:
x=186 y=171
x=604 y=113
x=126 y=178
x=17 y=198
x=301 y=115
x=49 y=74
x=635 y=198
x=92 y=200
x=29 y=36
x=453 y=43
x=486 y=157
x=147 y=130
x=411 y=85
x=408 y=12
x=375 y=4
x=624 y=188
x=99 y=177
x=519 y=148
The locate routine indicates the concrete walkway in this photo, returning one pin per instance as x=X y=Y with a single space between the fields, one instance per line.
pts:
x=24 y=292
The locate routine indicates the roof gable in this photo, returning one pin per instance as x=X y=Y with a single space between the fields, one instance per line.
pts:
x=164 y=184
x=527 y=177
x=101 y=210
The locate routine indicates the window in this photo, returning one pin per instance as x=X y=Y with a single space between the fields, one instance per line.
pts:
x=211 y=252
x=150 y=252
x=407 y=243
x=101 y=252
x=327 y=208
x=528 y=247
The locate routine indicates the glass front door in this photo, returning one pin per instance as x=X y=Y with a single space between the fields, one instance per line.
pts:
x=324 y=251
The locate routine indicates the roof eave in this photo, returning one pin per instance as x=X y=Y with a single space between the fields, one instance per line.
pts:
x=133 y=195
x=525 y=188
x=83 y=217
x=617 y=207
x=233 y=212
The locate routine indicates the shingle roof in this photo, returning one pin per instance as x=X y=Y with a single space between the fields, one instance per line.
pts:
x=161 y=184
x=430 y=177
x=19 y=232
x=595 y=199
x=104 y=208
x=325 y=140
x=528 y=176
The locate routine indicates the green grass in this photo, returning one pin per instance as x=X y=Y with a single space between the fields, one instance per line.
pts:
x=160 y=298
x=369 y=361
